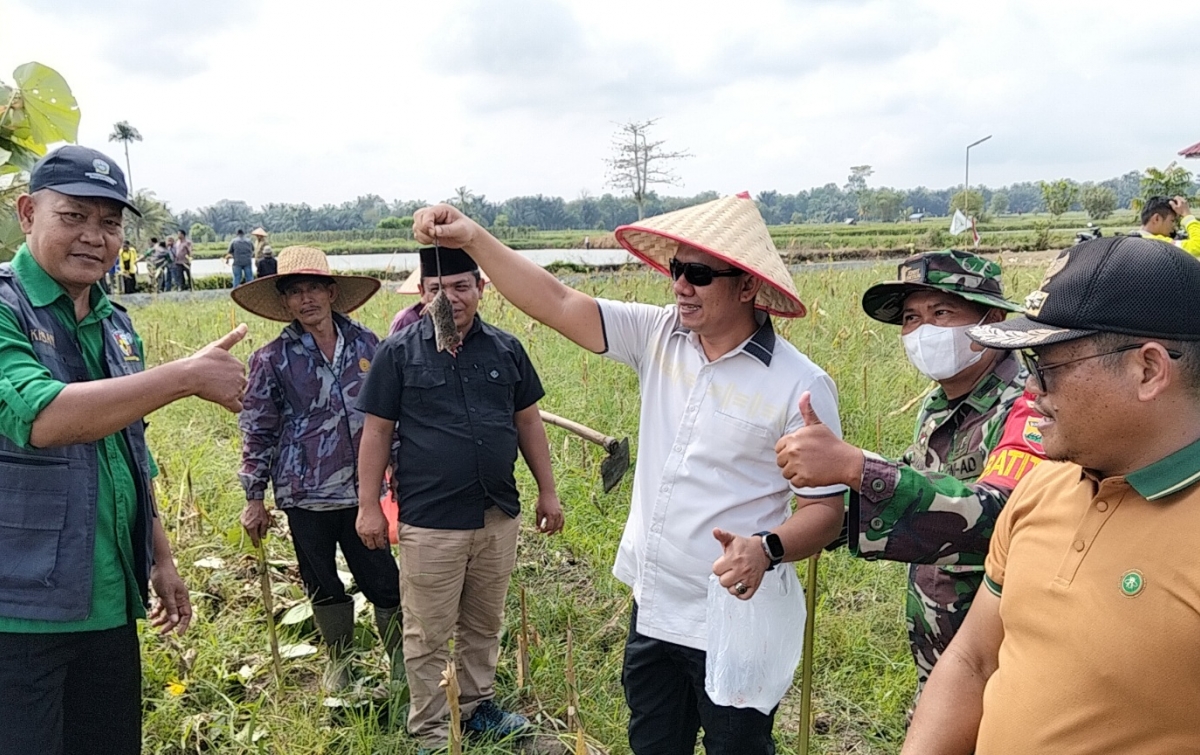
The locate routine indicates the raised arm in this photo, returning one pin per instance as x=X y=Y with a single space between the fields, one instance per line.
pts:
x=527 y=285
x=88 y=411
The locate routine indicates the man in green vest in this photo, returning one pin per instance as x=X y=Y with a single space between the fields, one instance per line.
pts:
x=80 y=541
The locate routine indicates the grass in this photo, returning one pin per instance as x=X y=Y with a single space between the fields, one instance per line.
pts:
x=212 y=690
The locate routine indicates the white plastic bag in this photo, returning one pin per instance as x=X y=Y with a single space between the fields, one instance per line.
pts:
x=754 y=646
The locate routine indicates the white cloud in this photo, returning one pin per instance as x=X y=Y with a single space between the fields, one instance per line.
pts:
x=294 y=101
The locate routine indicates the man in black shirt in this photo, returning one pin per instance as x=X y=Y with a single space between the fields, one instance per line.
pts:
x=461 y=419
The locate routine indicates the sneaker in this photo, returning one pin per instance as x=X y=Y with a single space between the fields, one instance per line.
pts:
x=493 y=720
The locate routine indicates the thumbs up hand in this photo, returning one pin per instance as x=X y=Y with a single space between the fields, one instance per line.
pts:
x=217 y=375
x=741 y=565
x=814 y=456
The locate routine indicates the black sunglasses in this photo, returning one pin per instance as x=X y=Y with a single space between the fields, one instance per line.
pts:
x=698 y=274
x=1038 y=370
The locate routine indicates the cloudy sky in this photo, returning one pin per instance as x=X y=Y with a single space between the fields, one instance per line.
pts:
x=302 y=101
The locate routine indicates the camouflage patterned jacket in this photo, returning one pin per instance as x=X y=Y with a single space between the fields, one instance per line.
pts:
x=936 y=507
x=300 y=428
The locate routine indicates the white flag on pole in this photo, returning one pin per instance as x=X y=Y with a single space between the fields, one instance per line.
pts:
x=959 y=223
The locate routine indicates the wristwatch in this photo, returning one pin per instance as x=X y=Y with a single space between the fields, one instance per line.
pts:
x=772 y=546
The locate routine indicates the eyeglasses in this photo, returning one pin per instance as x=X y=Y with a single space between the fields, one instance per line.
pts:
x=698 y=274
x=1038 y=370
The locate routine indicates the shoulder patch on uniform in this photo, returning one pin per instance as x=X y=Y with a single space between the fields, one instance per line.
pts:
x=1033 y=433
x=125 y=343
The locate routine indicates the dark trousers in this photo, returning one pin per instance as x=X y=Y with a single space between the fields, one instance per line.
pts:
x=664 y=688
x=73 y=693
x=315 y=535
x=128 y=284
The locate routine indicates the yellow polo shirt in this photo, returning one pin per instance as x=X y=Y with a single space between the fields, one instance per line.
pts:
x=1100 y=601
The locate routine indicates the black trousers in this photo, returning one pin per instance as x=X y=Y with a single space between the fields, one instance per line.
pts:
x=315 y=535
x=74 y=693
x=664 y=688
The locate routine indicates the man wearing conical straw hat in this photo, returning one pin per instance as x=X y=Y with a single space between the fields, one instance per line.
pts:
x=301 y=429
x=718 y=389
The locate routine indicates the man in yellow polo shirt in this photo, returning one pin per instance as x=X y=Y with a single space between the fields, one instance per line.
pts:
x=80 y=541
x=1085 y=640
x=1162 y=217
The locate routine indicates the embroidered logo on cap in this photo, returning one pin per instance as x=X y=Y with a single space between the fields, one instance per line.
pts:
x=1132 y=583
x=100 y=172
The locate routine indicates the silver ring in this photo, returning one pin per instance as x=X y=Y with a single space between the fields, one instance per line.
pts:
x=740 y=588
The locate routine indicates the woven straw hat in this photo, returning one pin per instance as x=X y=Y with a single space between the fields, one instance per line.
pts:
x=261 y=296
x=730 y=229
x=409 y=286
x=260 y=231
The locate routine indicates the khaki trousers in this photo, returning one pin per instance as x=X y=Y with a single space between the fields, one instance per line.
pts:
x=453 y=584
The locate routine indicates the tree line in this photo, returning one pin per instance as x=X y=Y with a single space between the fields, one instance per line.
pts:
x=824 y=204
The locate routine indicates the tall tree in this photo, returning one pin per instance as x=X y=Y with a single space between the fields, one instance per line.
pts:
x=856 y=184
x=1099 y=201
x=124 y=133
x=156 y=218
x=638 y=163
x=1059 y=195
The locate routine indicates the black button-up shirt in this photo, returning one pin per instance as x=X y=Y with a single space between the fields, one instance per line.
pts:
x=458 y=440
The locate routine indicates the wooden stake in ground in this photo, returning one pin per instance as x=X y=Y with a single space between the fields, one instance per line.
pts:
x=450 y=684
x=523 y=676
x=573 y=720
x=264 y=578
x=810 y=598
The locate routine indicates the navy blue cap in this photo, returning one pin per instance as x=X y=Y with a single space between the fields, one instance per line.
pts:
x=81 y=172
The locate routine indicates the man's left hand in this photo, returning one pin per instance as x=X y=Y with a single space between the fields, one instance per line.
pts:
x=549 y=514
x=742 y=565
x=172 y=607
x=814 y=456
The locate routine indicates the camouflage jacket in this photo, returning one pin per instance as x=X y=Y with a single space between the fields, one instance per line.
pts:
x=937 y=506
x=299 y=421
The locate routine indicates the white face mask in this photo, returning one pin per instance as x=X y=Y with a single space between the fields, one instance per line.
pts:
x=939 y=352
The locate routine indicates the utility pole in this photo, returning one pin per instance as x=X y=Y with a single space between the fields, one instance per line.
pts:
x=967 y=174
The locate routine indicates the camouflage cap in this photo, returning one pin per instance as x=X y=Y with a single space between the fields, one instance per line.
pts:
x=964 y=274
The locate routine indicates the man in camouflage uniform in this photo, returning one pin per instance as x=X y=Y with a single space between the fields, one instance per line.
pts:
x=301 y=430
x=975 y=437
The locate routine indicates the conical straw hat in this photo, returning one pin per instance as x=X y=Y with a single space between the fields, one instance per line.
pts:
x=730 y=229
x=260 y=231
x=409 y=286
x=261 y=295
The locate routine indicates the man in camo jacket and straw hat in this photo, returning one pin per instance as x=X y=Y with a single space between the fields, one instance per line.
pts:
x=301 y=429
x=718 y=389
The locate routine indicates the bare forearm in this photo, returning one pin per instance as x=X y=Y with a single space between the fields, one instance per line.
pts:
x=88 y=411
x=535 y=447
x=374 y=453
x=815 y=524
x=537 y=293
x=947 y=718
x=162 y=546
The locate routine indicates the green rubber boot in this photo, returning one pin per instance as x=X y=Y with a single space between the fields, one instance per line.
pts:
x=391 y=631
x=336 y=625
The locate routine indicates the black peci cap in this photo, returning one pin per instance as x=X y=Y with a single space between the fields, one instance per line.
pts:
x=81 y=172
x=451 y=261
x=1128 y=284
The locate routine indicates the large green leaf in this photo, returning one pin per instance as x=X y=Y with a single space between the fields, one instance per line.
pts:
x=11 y=236
x=20 y=157
x=48 y=102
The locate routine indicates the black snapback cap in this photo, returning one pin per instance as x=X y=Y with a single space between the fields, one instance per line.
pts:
x=81 y=172
x=1128 y=284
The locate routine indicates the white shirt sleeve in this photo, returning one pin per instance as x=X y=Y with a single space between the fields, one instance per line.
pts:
x=629 y=328
x=825 y=404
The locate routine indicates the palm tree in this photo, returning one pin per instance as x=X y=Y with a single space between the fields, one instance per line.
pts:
x=123 y=132
x=156 y=219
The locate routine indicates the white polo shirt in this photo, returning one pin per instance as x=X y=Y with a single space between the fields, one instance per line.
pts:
x=705 y=457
